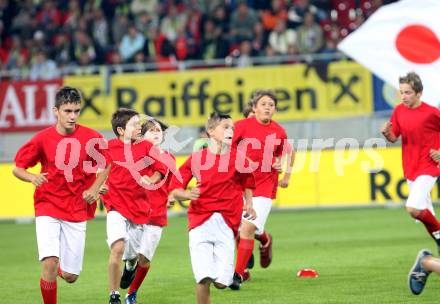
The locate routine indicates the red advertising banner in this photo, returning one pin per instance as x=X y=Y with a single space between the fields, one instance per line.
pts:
x=27 y=105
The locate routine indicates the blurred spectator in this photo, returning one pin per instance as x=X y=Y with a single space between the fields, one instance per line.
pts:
x=72 y=16
x=140 y=6
x=43 y=68
x=181 y=44
x=214 y=46
x=21 y=24
x=310 y=35
x=145 y=21
x=166 y=60
x=119 y=28
x=80 y=44
x=221 y=18
x=61 y=49
x=208 y=6
x=100 y=30
x=244 y=58
x=16 y=54
x=172 y=21
x=49 y=15
x=259 y=40
x=271 y=17
x=298 y=10
x=242 y=22
x=116 y=63
x=281 y=38
x=131 y=43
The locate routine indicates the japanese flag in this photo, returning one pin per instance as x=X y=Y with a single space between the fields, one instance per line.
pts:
x=399 y=38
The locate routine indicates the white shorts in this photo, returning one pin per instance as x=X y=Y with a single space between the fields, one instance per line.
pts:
x=62 y=239
x=150 y=240
x=118 y=227
x=262 y=206
x=420 y=192
x=211 y=247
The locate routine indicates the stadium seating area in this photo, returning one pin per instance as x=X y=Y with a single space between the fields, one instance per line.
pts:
x=39 y=37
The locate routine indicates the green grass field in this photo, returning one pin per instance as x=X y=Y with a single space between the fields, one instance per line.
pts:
x=362 y=256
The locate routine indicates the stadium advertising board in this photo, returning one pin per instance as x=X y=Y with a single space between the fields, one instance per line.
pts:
x=304 y=92
x=27 y=105
x=319 y=179
x=186 y=98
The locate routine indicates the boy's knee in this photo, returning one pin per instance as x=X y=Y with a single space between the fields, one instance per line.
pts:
x=413 y=212
x=143 y=261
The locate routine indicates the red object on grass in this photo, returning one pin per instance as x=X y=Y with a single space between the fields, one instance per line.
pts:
x=307 y=273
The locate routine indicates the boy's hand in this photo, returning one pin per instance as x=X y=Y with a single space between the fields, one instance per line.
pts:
x=171 y=200
x=435 y=155
x=103 y=189
x=386 y=129
x=249 y=212
x=277 y=164
x=284 y=182
x=91 y=195
x=194 y=193
x=38 y=179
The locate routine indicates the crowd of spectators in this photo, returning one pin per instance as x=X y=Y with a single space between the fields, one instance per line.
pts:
x=41 y=37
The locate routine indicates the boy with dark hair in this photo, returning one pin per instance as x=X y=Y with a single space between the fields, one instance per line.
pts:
x=65 y=194
x=152 y=130
x=216 y=206
x=127 y=201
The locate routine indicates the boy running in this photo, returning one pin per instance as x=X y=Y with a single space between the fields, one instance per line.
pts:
x=262 y=139
x=419 y=125
x=127 y=201
x=66 y=189
x=216 y=205
x=152 y=131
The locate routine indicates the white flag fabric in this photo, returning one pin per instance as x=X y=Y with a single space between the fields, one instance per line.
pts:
x=398 y=38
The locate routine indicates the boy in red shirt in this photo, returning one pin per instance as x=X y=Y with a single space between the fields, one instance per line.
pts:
x=152 y=130
x=66 y=189
x=419 y=125
x=127 y=201
x=216 y=206
x=266 y=248
x=262 y=139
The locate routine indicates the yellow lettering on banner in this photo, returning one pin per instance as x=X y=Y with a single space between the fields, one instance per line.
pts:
x=98 y=105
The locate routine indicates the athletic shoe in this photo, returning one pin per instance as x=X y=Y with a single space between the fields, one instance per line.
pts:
x=131 y=298
x=236 y=282
x=246 y=275
x=115 y=298
x=127 y=277
x=417 y=275
x=251 y=262
x=266 y=252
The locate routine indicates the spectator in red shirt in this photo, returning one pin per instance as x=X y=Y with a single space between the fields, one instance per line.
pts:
x=419 y=125
x=66 y=189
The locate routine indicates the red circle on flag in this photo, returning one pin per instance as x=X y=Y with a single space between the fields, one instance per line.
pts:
x=418 y=44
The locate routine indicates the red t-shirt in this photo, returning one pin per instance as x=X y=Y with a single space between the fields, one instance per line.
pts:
x=159 y=197
x=61 y=196
x=420 y=131
x=126 y=194
x=271 y=137
x=221 y=186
